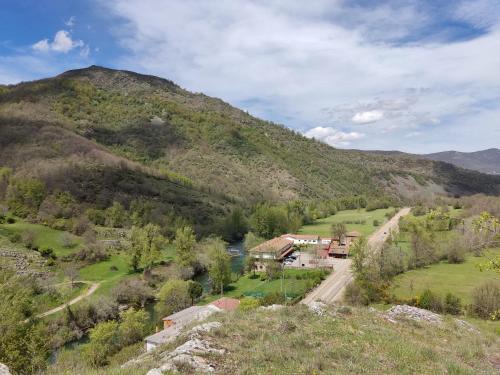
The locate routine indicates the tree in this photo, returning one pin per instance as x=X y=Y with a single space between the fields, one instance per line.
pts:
x=339 y=231
x=24 y=196
x=104 y=341
x=195 y=290
x=71 y=272
x=219 y=268
x=67 y=240
x=250 y=264
x=115 y=215
x=252 y=240
x=359 y=255
x=133 y=291
x=24 y=347
x=145 y=246
x=235 y=225
x=173 y=296
x=185 y=241
x=133 y=326
x=269 y=221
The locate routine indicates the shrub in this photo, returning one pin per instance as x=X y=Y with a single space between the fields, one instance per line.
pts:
x=29 y=238
x=275 y=298
x=452 y=304
x=355 y=294
x=11 y=220
x=67 y=240
x=429 y=301
x=15 y=237
x=486 y=300
x=135 y=292
x=456 y=252
x=376 y=223
x=248 y=303
x=47 y=252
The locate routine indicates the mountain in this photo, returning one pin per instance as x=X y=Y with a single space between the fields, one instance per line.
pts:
x=485 y=161
x=107 y=135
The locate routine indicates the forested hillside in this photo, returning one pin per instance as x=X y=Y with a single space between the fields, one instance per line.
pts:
x=107 y=135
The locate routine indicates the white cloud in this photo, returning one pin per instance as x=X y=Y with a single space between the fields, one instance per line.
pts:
x=62 y=43
x=332 y=136
x=71 y=21
x=42 y=45
x=367 y=117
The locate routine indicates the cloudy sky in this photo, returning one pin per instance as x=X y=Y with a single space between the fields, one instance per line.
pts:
x=418 y=76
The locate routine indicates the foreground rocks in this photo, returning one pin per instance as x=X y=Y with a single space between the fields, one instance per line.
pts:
x=190 y=355
x=4 y=370
x=413 y=313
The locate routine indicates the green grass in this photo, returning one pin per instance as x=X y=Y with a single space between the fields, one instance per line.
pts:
x=44 y=302
x=45 y=237
x=250 y=286
x=322 y=227
x=442 y=278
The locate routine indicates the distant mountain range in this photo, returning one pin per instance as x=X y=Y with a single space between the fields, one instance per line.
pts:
x=486 y=161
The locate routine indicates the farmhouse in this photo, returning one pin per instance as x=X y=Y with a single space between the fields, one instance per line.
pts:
x=303 y=239
x=339 y=247
x=276 y=249
x=173 y=324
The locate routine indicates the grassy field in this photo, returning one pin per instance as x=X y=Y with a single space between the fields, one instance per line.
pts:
x=250 y=286
x=44 y=302
x=45 y=237
x=322 y=227
x=442 y=278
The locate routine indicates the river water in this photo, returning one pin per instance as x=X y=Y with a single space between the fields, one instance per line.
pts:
x=237 y=264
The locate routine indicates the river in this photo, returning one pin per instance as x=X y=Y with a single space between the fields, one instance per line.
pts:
x=237 y=265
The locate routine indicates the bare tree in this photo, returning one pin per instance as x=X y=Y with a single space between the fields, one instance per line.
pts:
x=71 y=272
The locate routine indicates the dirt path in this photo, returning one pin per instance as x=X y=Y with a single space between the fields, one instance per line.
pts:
x=332 y=288
x=88 y=292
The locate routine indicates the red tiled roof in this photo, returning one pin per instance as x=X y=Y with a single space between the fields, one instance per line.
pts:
x=275 y=245
x=226 y=303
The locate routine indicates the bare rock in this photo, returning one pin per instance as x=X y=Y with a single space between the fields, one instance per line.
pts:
x=190 y=353
x=413 y=313
x=318 y=308
x=4 y=370
x=273 y=307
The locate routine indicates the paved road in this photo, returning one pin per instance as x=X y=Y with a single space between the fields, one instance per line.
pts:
x=88 y=292
x=332 y=288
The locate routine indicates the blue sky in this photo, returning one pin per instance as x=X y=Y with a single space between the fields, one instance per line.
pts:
x=417 y=76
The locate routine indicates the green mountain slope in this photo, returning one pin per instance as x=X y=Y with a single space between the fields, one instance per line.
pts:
x=150 y=127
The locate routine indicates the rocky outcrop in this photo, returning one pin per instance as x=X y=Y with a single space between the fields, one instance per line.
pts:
x=189 y=355
x=414 y=313
x=4 y=370
x=26 y=264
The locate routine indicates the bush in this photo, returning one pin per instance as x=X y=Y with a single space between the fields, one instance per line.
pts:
x=11 y=220
x=429 y=301
x=133 y=292
x=29 y=238
x=376 y=223
x=486 y=300
x=452 y=304
x=248 y=303
x=47 y=252
x=15 y=237
x=355 y=294
x=275 y=298
x=456 y=253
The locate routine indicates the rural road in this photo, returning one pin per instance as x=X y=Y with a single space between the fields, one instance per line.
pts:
x=88 y=292
x=332 y=288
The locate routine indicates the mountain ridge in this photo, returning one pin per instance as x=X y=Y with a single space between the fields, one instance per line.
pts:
x=125 y=123
x=485 y=161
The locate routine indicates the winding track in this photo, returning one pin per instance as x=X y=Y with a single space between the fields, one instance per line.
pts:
x=88 y=292
x=332 y=288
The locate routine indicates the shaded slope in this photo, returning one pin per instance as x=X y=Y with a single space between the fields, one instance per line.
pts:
x=156 y=123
